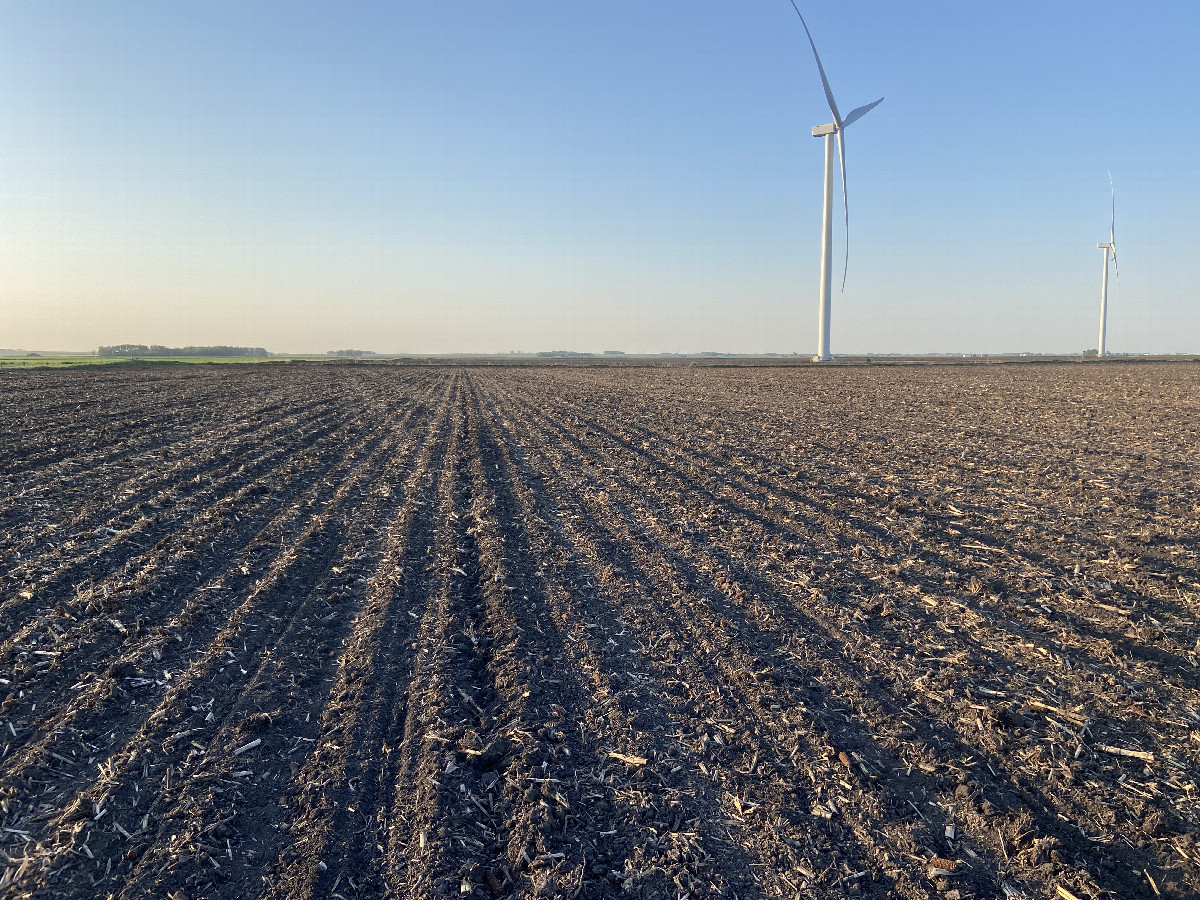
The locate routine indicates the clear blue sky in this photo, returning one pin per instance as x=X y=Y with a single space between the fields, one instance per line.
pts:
x=479 y=176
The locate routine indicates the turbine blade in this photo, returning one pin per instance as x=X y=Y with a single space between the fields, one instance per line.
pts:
x=856 y=114
x=837 y=117
x=845 y=207
x=1112 y=228
x=1112 y=234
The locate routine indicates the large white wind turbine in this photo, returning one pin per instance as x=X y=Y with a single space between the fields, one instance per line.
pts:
x=1111 y=245
x=836 y=127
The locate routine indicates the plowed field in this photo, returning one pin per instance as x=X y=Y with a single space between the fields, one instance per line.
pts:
x=378 y=631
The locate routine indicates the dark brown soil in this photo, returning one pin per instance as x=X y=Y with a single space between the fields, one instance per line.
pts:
x=370 y=631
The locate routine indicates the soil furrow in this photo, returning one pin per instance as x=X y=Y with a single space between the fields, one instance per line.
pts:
x=1032 y=802
x=105 y=497
x=165 y=516
x=628 y=843
x=454 y=703
x=317 y=535
x=379 y=629
x=340 y=799
x=140 y=427
x=1025 y=797
x=707 y=683
x=310 y=643
x=759 y=497
x=123 y=604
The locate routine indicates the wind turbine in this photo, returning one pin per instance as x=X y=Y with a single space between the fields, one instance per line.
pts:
x=1111 y=245
x=836 y=127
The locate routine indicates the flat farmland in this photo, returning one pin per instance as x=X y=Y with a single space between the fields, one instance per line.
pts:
x=383 y=631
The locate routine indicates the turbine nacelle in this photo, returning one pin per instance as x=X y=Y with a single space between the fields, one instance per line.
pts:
x=835 y=127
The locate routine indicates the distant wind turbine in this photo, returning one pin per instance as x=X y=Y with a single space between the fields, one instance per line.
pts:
x=1111 y=245
x=836 y=127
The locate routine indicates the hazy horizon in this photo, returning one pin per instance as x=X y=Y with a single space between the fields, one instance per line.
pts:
x=468 y=178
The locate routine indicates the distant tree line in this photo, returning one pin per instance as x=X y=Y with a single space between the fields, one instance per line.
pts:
x=153 y=350
x=349 y=352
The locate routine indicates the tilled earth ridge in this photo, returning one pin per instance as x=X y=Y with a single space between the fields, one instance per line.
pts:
x=366 y=631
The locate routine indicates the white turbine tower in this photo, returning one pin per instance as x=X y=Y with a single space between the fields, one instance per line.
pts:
x=836 y=127
x=1111 y=245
